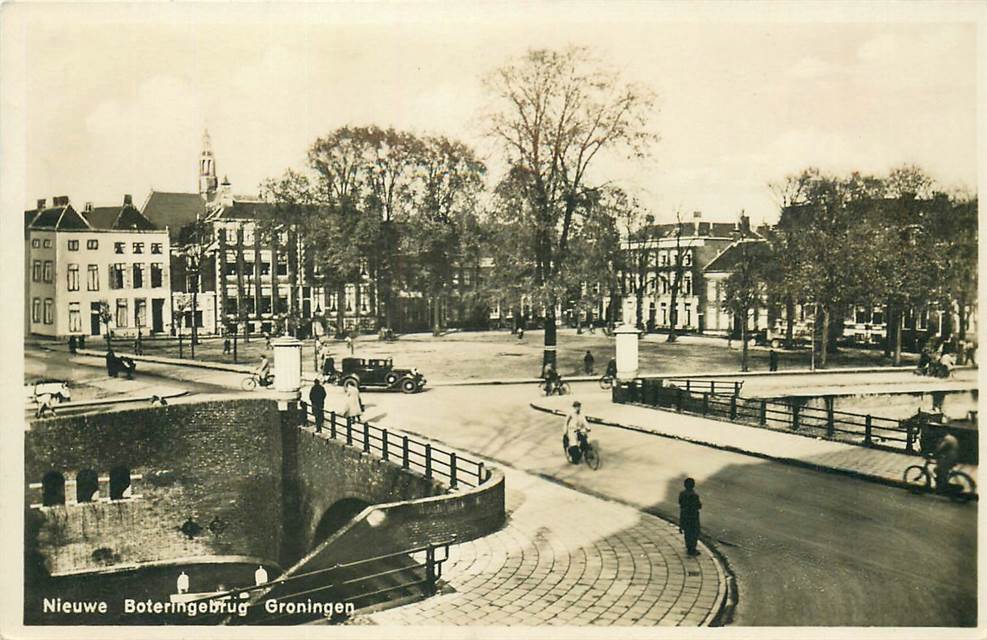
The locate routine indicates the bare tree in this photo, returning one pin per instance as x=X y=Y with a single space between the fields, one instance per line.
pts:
x=554 y=112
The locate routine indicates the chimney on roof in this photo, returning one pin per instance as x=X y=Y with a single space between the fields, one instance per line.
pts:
x=42 y=203
x=745 y=222
x=89 y=207
x=128 y=200
x=59 y=201
x=697 y=215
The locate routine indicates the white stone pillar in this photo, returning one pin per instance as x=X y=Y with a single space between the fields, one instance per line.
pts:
x=627 y=360
x=287 y=370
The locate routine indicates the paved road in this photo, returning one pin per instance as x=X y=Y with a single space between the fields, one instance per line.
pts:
x=90 y=373
x=807 y=548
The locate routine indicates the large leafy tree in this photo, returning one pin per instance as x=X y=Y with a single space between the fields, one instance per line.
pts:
x=378 y=204
x=747 y=285
x=441 y=233
x=554 y=113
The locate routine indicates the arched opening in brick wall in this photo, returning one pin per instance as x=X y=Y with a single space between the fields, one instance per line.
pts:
x=53 y=489
x=86 y=486
x=119 y=483
x=335 y=517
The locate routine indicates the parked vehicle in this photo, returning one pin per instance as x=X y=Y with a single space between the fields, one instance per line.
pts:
x=48 y=391
x=379 y=373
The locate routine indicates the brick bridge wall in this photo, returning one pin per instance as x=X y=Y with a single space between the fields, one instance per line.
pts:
x=217 y=462
x=237 y=463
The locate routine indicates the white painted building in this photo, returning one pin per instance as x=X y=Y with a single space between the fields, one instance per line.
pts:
x=78 y=263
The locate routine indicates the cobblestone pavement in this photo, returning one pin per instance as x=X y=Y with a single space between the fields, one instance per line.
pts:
x=567 y=558
x=882 y=465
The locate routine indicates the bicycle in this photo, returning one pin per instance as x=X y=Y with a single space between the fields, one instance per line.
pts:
x=253 y=380
x=588 y=452
x=961 y=486
x=560 y=388
x=606 y=382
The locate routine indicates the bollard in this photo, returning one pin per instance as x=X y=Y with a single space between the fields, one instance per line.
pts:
x=349 y=430
x=428 y=461
x=404 y=452
x=383 y=444
x=688 y=385
x=763 y=420
x=452 y=470
x=795 y=416
x=430 y=568
x=733 y=407
x=366 y=437
x=867 y=431
x=332 y=424
x=480 y=474
x=678 y=400
x=910 y=438
x=705 y=404
x=830 y=417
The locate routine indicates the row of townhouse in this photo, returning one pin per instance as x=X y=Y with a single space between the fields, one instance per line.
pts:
x=709 y=254
x=99 y=269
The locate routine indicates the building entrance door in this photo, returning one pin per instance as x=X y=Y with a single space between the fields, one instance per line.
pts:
x=94 y=320
x=157 y=315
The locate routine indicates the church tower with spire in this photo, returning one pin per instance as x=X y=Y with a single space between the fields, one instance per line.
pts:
x=208 y=183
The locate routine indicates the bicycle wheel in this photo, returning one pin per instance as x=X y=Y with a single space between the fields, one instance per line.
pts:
x=249 y=383
x=563 y=389
x=606 y=382
x=918 y=478
x=961 y=486
x=592 y=456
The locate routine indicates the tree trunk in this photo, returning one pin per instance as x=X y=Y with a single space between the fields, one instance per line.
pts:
x=898 y=322
x=743 y=340
x=436 y=317
x=673 y=310
x=195 y=325
x=548 y=355
x=340 y=310
x=961 y=303
x=789 y=321
x=888 y=334
x=824 y=339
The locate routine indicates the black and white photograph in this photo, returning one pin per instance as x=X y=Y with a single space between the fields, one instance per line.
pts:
x=543 y=319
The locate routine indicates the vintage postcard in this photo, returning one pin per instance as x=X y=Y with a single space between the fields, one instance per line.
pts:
x=550 y=319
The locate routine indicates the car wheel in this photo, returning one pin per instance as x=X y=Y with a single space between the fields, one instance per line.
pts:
x=775 y=343
x=409 y=386
x=390 y=379
x=351 y=382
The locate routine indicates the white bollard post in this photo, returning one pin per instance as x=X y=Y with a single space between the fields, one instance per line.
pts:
x=287 y=370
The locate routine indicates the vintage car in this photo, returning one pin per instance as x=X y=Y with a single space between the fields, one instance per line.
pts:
x=379 y=373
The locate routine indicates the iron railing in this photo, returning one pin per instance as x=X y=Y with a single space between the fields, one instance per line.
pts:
x=792 y=414
x=403 y=450
x=348 y=583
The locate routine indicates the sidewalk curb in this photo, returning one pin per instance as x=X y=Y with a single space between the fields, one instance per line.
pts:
x=721 y=611
x=199 y=364
x=795 y=462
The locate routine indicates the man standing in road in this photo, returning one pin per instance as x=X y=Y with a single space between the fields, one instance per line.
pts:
x=588 y=363
x=689 y=506
x=317 y=396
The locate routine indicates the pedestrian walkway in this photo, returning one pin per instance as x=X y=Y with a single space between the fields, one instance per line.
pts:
x=567 y=558
x=871 y=464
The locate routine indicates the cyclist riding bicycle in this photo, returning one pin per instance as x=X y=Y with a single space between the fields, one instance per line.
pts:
x=263 y=371
x=552 y=380
x=946 y=455
x=576 y=422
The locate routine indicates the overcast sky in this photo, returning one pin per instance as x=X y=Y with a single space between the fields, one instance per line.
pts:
x=117 y=103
